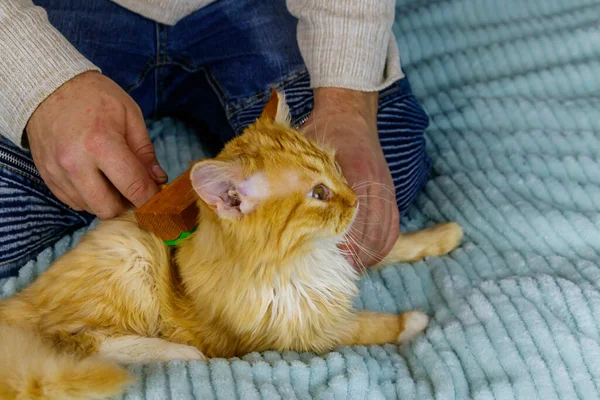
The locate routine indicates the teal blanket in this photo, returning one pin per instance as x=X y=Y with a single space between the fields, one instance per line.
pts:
x=513 y=91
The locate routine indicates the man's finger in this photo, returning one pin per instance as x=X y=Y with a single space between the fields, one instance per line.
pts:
x=139 y=142
x=100 y=196
x=127 y=173
x=69 y=190
x=66 y=194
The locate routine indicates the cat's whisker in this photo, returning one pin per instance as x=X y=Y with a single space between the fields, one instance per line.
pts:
x=364 y=184
x=371 y=208
x=363 y=234
x=368 y=252
x=387 y=193
x=360 y=217
x=365 y=223
x=368 y=196
x=358 y=263
x=356 y=259
x=358 y=183
x=374 y=183
x=372 y=196
x=348 y=239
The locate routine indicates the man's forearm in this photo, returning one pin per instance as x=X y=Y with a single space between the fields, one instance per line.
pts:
x=341 y=101
x=348 y=43
x=36 y=60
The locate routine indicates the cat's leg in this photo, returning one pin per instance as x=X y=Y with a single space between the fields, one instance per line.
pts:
x=126 y=349
x=379 y=328
x=137 y=349
x=435 y=241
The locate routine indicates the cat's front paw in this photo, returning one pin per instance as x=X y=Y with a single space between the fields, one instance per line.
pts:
x=413 y=323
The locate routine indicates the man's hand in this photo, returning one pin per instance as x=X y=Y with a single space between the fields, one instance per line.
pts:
x=347 y=120
x=89 y=141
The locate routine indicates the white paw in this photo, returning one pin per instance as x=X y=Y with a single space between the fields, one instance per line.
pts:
x=137 y=349
x=415 y=322
x=184 y=353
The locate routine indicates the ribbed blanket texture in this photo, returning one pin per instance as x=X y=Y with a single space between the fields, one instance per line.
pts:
x=513 y=91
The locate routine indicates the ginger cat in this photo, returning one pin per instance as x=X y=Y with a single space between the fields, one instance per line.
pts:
x=261 y=272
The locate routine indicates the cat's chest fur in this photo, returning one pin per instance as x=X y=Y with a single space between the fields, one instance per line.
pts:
x=308 y=289
x=299 y=305
x=313 y=301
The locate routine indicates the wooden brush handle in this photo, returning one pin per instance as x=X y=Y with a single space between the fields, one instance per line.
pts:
x=171 y=211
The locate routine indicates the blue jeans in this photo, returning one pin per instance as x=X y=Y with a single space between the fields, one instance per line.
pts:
x=214 y=71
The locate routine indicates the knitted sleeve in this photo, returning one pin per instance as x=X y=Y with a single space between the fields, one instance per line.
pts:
x=36 y=60
x=348 y=43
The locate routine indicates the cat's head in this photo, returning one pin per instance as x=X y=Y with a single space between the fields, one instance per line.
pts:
x=272 y=180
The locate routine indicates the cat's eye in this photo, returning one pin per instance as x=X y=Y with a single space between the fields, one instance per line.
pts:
x=320 y=192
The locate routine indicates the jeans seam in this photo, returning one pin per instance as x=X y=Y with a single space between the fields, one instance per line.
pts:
x=16 y=171
x=150 y=64
x=186 y=65
x=142 y=75
x=59 y=203
x=223 y=98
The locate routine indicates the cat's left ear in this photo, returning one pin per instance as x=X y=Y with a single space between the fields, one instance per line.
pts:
x=277 y=109
x=221 y=186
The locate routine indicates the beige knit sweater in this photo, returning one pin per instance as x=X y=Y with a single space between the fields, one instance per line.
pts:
x=345 y=43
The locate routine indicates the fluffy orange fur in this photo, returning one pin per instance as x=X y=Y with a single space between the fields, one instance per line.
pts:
x=262 y=271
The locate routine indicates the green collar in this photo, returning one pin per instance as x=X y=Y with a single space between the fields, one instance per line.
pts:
x=183 y=235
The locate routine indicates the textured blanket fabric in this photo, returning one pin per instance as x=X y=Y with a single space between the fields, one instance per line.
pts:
x=513 y=89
